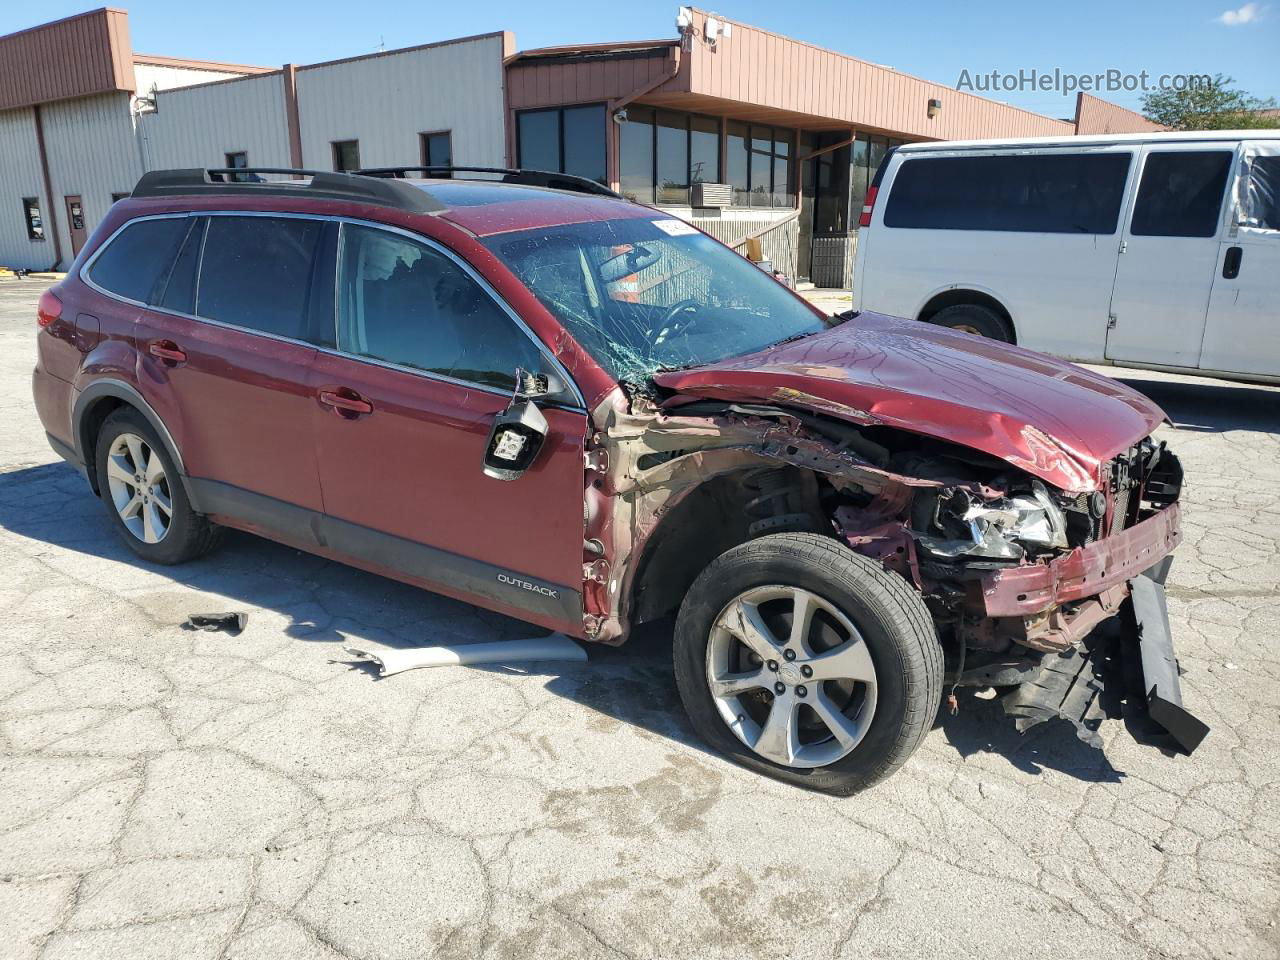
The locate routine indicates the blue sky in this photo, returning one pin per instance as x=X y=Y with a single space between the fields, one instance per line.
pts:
x=935 y=39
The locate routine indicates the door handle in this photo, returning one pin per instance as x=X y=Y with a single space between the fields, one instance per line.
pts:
x=1231 y=263
x=167 y=351
x=345 y=402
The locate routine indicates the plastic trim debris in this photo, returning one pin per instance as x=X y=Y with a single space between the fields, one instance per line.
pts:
x=391 y=661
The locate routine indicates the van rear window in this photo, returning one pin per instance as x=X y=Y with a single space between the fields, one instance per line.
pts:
x=1030 y=193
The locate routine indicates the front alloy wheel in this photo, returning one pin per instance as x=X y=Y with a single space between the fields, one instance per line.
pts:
x=805 y=661
x=139 y=488
x=791 y=676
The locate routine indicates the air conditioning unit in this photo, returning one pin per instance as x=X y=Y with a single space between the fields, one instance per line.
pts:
x=712 y=195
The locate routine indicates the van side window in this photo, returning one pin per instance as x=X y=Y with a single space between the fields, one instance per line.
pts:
x=137 y=260
x=405 y=303
x=1181 y=193
x=1263 y=209
x=1032 y=193
x=256 y=271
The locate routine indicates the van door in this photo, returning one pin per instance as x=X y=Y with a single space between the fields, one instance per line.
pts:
x=1168 y=254
x=1242 y=334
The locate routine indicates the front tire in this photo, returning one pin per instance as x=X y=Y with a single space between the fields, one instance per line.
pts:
x=144 y=495
x=807 y=662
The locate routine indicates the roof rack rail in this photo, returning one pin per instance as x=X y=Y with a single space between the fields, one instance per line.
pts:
x=532 y=178
x=323 y=185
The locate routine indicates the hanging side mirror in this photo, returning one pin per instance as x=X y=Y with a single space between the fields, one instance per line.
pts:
x=518 y=432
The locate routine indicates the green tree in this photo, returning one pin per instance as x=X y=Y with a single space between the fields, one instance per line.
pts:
x=1210 y=106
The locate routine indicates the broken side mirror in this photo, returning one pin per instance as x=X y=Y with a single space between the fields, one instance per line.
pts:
x=518 y=432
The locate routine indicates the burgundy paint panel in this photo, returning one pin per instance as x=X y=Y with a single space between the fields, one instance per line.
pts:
x=1055 y=420
x=238 y=407
x=413 y=468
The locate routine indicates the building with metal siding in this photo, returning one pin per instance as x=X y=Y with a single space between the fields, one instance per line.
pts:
x=386 y=101
x=20 y=179
x=199 y=126
x=766 y=142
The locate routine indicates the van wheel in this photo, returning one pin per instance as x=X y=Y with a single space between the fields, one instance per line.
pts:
x=976 y=319
x=144 y=495
x=809 y=663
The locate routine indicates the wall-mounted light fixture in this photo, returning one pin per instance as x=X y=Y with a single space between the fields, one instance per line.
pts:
x=935 y=108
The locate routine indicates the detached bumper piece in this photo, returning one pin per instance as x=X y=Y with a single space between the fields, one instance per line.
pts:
x=1124 y=670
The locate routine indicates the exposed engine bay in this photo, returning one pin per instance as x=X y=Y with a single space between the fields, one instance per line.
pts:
x=1018 y=575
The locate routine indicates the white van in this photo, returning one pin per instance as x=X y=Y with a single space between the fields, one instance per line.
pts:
x=1151 y=250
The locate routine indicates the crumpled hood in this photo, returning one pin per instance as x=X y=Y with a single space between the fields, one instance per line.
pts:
x=1057 y=421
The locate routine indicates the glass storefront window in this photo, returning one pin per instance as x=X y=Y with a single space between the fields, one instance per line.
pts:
x=673 y=158
x=704 y=150
x=737 y=158
x=568 y=140
x=635 y=157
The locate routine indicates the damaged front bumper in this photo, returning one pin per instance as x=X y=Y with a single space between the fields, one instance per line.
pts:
x=1099 y=612
x=1127 y=670
x=1085 y=572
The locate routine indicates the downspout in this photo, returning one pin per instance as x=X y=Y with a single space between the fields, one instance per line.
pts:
x=289 y=77
x=50 y=215
x=612 y=142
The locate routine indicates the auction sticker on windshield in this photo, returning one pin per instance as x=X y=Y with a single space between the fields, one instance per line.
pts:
x=675 y=228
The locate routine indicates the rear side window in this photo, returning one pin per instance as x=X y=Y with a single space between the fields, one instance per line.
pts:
x=135 y=264
x=1034 y=193
x=256 y=273
x=1262 y=201
x=405 y=303
x=1181 y=193
x=177 y=291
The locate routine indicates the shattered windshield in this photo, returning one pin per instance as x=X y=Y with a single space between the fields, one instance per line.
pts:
x=649 y=295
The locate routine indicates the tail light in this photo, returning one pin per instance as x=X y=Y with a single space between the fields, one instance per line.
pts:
x=48 y=309
x=864 y=220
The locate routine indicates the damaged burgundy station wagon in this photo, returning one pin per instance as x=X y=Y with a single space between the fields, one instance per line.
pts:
x=530 y=394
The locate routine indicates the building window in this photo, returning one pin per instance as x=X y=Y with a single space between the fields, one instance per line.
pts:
x=662 y=153
x=760 y=168
x=31 y=214
x=346 y=155
x=117 y=197
x=563 y=140
x=437 y=149
x=864 y=160
x=237 y=161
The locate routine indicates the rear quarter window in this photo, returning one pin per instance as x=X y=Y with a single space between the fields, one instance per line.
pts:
x=136 y=261
x=1032 y=193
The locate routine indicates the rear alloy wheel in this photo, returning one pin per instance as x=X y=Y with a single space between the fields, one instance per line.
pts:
x=144 y=494
x=139 y=488
x=807 y=662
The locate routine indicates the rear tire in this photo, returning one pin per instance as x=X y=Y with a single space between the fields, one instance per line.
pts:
x=858 y=706
x=976 y=319
x=144 y=495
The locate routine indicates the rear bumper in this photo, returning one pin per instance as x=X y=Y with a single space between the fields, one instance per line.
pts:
x=1084 y=572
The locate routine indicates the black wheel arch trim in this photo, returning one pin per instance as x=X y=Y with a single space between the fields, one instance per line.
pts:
x=106 y=388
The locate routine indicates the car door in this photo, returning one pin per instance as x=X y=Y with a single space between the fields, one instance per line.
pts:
x=224 y=351
x=1168 y=255
x=402 y=413
x=1242 y=334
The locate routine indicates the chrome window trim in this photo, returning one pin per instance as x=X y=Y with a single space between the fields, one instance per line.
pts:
x=579 y=406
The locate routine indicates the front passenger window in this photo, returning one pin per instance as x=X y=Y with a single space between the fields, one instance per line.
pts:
x=405 y=303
